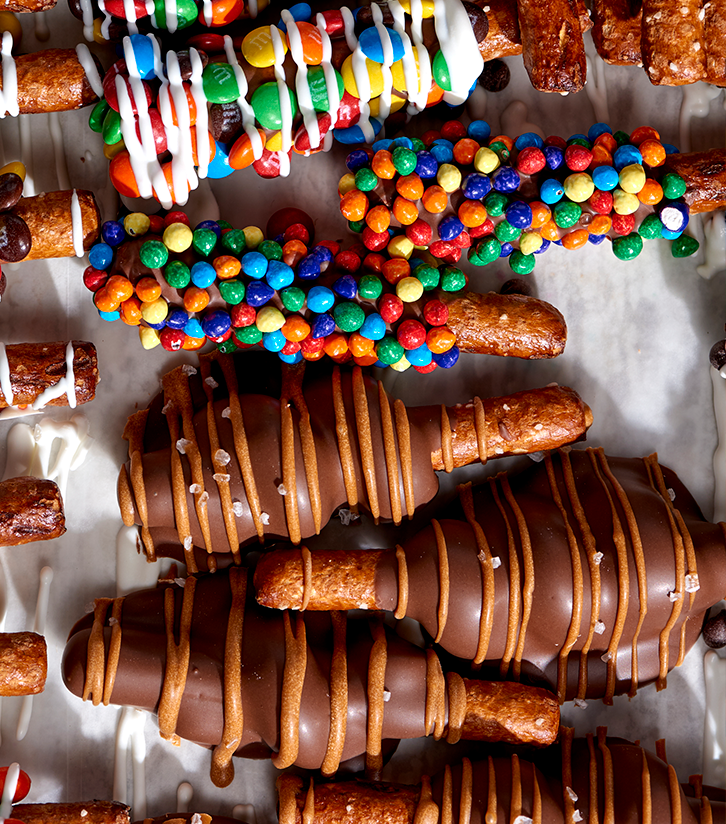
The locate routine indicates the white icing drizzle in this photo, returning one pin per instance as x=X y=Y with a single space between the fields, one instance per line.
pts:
x=87 y=13
x=130 y=16
x=713 y=244
x=85 y=58
x=201 y=124
x=331 y=80
x=9 y=92
x=41 y=617
x=285 y=104
x=718 y=380
x=130 y=741
x=5 y=383
x=458 y=45
x=416 y=97
x=360 y=75
x=184 y=796
x=384 y=101
x=248 y=115
x=106 y=24
x=42 y=32
x=59 y=155
x=65 y=386
x=597 y=88
x=26 y=153
x=207 y=11
x=302 y=87
x=696 y=101
x=11 y=784
x=245 y=812
x=77 y=225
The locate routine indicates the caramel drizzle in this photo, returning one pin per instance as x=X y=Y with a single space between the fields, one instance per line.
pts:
x=222 y=771
x=442 y=612
x=435 y=711
x=96 y=654
x=536 y=798
x=457 y=706
x=177 y=661
x=308 y=812
x=221 y=477
x=114 y=650
x=594 y=817
x=134 y=435
x=403 y=431
x=647 y=816
x=480 y=429
x=447 y=446
x=389 y=450
x=488 y=598
x=306 y=558
x=376 y=700
x=568 y=805
x=293 y=678
x=466 y=792
x=447 y=797
x=515 y=800
x=427 y=811
x=492 y=805
x=310 y=458
x=289 y=472
x=402 y=602
x=577 y=585
x=608 y=777
x=365 y=442
x=179 y=492
x=344 y=450
x=338 y=696
x=675 y=794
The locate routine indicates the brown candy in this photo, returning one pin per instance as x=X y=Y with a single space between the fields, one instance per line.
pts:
x=11 y=190
x=225 y=121
x=495 y=76
x=717 y=355
x=15 y=239
x=478 y=20
x=714 y=631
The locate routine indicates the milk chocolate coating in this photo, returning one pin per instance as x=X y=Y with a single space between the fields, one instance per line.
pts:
x=586 y=559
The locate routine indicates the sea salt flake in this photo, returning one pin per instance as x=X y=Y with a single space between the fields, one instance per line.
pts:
x=673 y=66
x=222 y=457
x=522 y=819
x=674 y=596
x=571 y=794
x=597 y=558
x=347 y=517
x=496 y=562
x=196 y=819
x=221 y=477
x=204 y=498
x=188 y=542
x=692 y=582
x=112 y=621
x=238 y=508
x=166 y=407
x=599 y=628
x=188 y=369
x=696 y=47
x=84 y=813
x=180 y=582
x=505 y=316
x=498 y=450
x=537 y=457
x=211 y=382
x=577 y=816
x=671 y=493
x=606 y=656
x=386 y=695
x=282 y=489
x=265 y=518
x=226 y=412
x=538 y=426
x=195 y=488
x=182 y=445
x=580 y=704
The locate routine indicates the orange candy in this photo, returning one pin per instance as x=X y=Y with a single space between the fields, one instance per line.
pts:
x=360 y=347
x=191 y=344
x=131 y=311
x=576 y=239
x=313 y=356
x=336 y=345
x=436 y=95
x=600 y=157
x=502 y=138
x=465 y=151
x=651 y=193
x=223 y=12
x=601 y=225
x=379 y=218
x=195 y=299
x=212 y=147
x=312 y=43
x=653 y=152
x=191 y=104
x=122 y=175
x=148 y=290
x=410 y=186
x=241 y=154
x=373 y=263
x=549 y=230
x=176 y=196
x=440 y=339
x=293 y=252
x=105 y=301
x=295 y=328
x=226 y=267
x=354 y=205
x=382 y=165
x=607 y=141
x=541 y=213
x=405 y=211
x=435 y=200
x=119 y=287
x=643 y=133
x=472 y=213
x=366 y=360
x=396 y=269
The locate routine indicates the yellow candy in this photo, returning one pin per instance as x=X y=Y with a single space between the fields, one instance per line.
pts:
x=529 y=242
x=257 y=47
x=400 y=247
x=486 y=160
x=111 y=150
x=137 y=223
x=625 y=203
x=399 y=77
x=9 y=22
x=149 y=337
x=396 y=103
x=409 y=289
x=270 y=319
x=579 y=187
x=16 y=167
x=448 y=177
x=156 y=311
x=402 y=365
x=177 y=237
x=274 y=142
x=375 y=76
x=253 y=236
x=97 y=33
x=427 y=7
x=632 y=178
x=346 y=183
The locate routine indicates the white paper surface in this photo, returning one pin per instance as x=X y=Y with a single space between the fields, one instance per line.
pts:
x=639 y=336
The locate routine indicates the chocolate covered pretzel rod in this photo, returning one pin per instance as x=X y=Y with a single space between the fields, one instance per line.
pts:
x=31 y=509
x=588 y=573
x=594 y=779
x=214 y=468
x=311 y=691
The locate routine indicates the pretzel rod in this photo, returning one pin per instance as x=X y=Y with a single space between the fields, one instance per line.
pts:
x=704 y=174
x=616 y=31
x=551 y=530
x=29 y=6
x=82 y=812
x=249 y=459
x=23 y=663
x=30 y=510
x=368 y=685
x=35 y=375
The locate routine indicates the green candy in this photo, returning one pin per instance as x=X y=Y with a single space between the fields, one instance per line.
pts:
x=579 y=141
x=177 y=275
x=520 y=263
x=474 y=258
x=366 y=179
x=98 y=113
x=621 y=138
x=440 y=71
x=489 y=250
x=628 y=247
x=266 y=105
x=348 y=316
x=153 y=254
x=232 y=291
x=566 y=214
x=227 y=347
x=389 y=350
x=186 y=13
x=224 y=224
x=357 y=226
x=319 y=87
x=495 y=203
x=500 y=149
x=248 y=334
x=452 y=279
x=505 y=232
x=292 y=298
x=417 y=144
x=370 y=287
x=111 y=127
x=404 y=161
x=428 y=275
x=204 y=241
x=219 y=83
x=651 y=228
x=233 y=241
x=684 y=246
x=674 y=186
x=270 y=249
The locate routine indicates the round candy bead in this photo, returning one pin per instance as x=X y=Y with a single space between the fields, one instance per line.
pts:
x=504 y=231
x=426 y=165
x=131 y=311
x=100 y=256
x=541 y=213
x=357 y=159
x=452 y=279
x=505 y=179
x=465 y=150
x=195 y=299
x=323 y=325
x=273 y=341
x=395 y=269
x=605 y=178
x=674 y=216
x=435 y=199
x=653 y=152
x=601 y=202
x=172 y=339
x=489 y=250
x=450 y=228
x=449 y=177
x=651 y=227
x=596 y=130
x=279 y=274
x=94 y=279
x=348 y=316
x=177 y=237
x=254 y=265
x=243 y=315
x=370 y=287
x=270 y=319
x=531 y=160
x=295 y=328
x=519 y=214
x=203 y=274
x=566 y=214
x=476 y=186
x=389 y=350
x=113 y=232
x=651 y=194
x=601 y=224
x=374 y=327
x=359 y=345
x=579 y=187
x=624 y=203
x=684 y=246
x=495 y=203
x=479 y=130
x=577 y=158
x=440 y=339
x=400 y=247
x=419 y=232
x=435 y=312
x=270 y=249
x=248 y=334
x=136 y=224
x=259 y=293
x=320 y=299
x=409 y=289
x=447 y=359
x=632 y=178
x=551 y=191
x=486 y=161
x=147 y=289
x=366 y=179
x=153 y=254
x=232 y=291
x=628 y=247
x=554 y=156
x=419 y=357
x=442 y=150
x=390 y=307
x=643 y=133
x=529 y=243
x=623 y=224
x=472 y=213
x=354 y=205
x=226 y=267
x=409 y=186
x=575 y=239
x=204 y=241
x=257 y=47
x=673 y=186
x=346 y=286
x=625 y=156
x=411 y=334
x=216 y=324
x=149 y=338
x=404 y=160
x=177 y=274
x=382 y=165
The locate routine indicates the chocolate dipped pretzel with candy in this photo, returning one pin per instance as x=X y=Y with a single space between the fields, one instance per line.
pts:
x=462 y=189
x=213 y=467
x=314 y=691
x=595 y=778
x=586 y=573
x=304 y=300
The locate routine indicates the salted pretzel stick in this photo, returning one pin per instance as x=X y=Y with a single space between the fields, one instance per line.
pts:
x=47 y=374
x=705 y=176
x=31 y=509
x=23 y=663
x=52 y=80
x=616 y=31
x=503 y=39
x=29 y=6
x=81 y=812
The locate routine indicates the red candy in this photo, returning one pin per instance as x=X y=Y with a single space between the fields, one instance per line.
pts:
x=601 y=202
x=242 y=314
x=156 y=224
x=176 y=217
x=375 y=241
x=94 y=279
x=292 y=346
x=453 y=130
x=623 y=224
x=348 y=111
x=424 y=370
x=411 y=334
x=311 y=345
x=349 y=261
x=556 y=140
x=577 y=158
x=284 y=219
x=531 y=160
x=390 y=308
x=268 y=165
x=332 y=245
x=333 y=22
x=297 y=232
x=172 y=339
x=419 y=232
x=436 y=313
x=480 y=231
x=462 y=240
x=428 y=137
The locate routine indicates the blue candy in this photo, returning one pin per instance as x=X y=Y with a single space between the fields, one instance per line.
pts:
x=300 y=12
x=144 y=55
x=596 y=240
x=479 y=130
x=100 y=256
x=279 y=274
x=296 y=357
x=219 y=167
x=528 y=139
x=320 y=299
x=273 y=341
x=374 y=327
x=543 y=247
x=476 y=186
x=357 y=159
x=427 y=166
x=605 y=178
x=321 y=253
x=668 y=234
x=309 y=268
x=259 y=293
x=203 y=274
x=210 y=224
x=442 y=150
x=384 y=144
x=421 y=356
x=505 y=179
x=177 y=318
x=506 y=249
x=554 y=156
x=371 y=46
x=216 y=323
x=519 y=214
x=254 y=265
x=447 y=359
x=354 y=134
x=450 y=228
x=157 y=326
x=551 y=191
x=193 y=328
x=323 y=325
x=625 y=156
x=346 y=286
x=109 y=316
x=403 y=141
x=674 y=216
x=596 y=130
x=113 y=232
x=670 y=148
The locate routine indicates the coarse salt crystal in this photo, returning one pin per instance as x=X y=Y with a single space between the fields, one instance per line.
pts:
x=671 y=493
x=506 y=407
x=281 y=489
x=203 y=498
x=265 y=518
x=692 y=582
x=188 y=369
x=577 y=816
x=346 y=516
x=211 y=382
x=597 y=558
x=226 y=412
x=571 y=794
x=180 y=582
x=673 y=66
x=182 y=445
x=538 y=426
x=580 y=704
x=606 y=656
x=238 y=508
x=674 y=596
x=188 y=542
x=84 y=813
x=599 y=628
x=222 y=457
x=195 y=488
x=221 y=477
x=166 y=407
x=496 y=562
x=505 y=316
x=522 y=819
x=498 y=450
x=386 y=695
x=196 y=819
x=537 y=457
x=112 y=621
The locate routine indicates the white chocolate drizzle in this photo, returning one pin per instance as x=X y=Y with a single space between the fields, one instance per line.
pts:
x=11 y=784
x=9 y=92
x=85 y=58
x=130 y=742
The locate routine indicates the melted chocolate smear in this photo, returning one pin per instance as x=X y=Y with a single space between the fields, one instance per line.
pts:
x=15 y=239
x=478 y=20
x=717 y=355
x=495 y=76
x=714 y=631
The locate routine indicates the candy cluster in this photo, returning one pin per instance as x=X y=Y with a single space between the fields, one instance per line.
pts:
x=288 y=295
x=463 y=188
x=161 y=137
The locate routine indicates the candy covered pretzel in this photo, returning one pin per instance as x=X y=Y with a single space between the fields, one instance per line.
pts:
x=588 y=573
x=213 y=467
x=313 y=691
